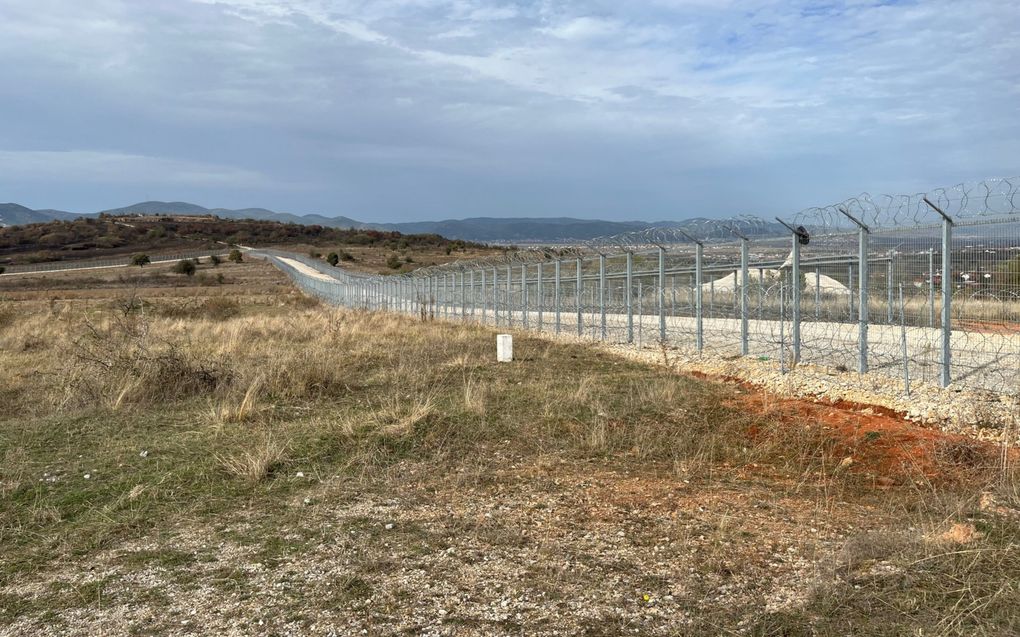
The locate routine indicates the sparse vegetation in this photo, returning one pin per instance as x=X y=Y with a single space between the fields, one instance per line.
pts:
x=215 y=260
x=300 y=465
x=186 y=267
x=394 y=262
x=235 y=256
x=111 y=236
x=333 y=258
x=140 y=260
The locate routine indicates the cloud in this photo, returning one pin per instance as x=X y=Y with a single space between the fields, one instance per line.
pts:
x=584 y=28
x=439 y=108
x=116 y=168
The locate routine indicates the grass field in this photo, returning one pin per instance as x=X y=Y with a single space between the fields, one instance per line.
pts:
x=202 y=456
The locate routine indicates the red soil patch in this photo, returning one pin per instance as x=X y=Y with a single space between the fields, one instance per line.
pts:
x=877 y=443
x=880 y=443
x=988 y=327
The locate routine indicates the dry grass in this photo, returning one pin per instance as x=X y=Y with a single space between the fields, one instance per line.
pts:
x=255 y=463
x=199 y=423
x=232 y=409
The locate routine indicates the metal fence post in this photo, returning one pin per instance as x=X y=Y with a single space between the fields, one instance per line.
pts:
x=538 y=293
x=524 y=295
x=484 y=298
x=556 y=294
x=602 y=294
x=509 y=297
x=931 y=287
x=889 y=289
x=662 y=295
x=947 y=294
x=640 y=313
x=862 y=274
x=628 y=297
x=798 y=234
x=744 y=346
x=580 y=288
x=471 y=286
x=495 y=296
x=795 y=280
x=699 y=254
x=903 y=345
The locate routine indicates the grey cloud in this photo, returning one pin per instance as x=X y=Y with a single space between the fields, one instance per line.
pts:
x=401 y=110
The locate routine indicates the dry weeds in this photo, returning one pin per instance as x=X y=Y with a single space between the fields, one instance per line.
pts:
x=324 y=471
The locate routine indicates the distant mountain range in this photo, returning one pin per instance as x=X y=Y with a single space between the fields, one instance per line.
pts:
x=11 y=214
x=481 y=229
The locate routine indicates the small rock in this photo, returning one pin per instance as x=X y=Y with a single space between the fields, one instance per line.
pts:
x=389 y=527
x=144 y=453
x=299 y=474
x=87 y=476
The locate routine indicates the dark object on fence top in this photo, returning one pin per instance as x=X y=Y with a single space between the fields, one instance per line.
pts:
x=803 y=236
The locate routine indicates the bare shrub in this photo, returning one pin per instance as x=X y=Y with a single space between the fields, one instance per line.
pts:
x=215 y=308
x=121 y=361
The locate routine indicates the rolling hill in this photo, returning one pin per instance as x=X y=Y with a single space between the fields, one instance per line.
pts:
x=478 y=229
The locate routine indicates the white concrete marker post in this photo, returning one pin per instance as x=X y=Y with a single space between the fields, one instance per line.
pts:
x=504 y=348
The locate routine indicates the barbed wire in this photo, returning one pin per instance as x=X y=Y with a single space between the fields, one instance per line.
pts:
x=911 y=275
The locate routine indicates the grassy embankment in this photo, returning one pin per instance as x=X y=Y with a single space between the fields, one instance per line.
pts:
x=238 y=458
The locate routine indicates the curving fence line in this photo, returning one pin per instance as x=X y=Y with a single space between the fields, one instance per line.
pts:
x=924 y=288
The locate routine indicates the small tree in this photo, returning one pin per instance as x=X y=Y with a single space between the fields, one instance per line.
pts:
x=185 y=267
x=140 y=260
x=394 y=262
x=215 y=260
x=235 y=256
x=346 y=256
x=2 y=269
x=333 y=258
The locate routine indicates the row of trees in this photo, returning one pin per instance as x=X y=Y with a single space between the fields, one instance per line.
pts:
x=187 y=267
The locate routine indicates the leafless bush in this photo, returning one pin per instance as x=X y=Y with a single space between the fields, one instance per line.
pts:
x=121 y=361
x=214 y=308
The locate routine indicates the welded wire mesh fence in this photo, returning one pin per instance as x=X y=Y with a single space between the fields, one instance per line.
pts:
x=112 y=262
x=923 y=288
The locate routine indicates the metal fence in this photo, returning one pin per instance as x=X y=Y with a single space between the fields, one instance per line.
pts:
x=923 y=288
x=112 y=262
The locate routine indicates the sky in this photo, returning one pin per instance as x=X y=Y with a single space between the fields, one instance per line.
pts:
x=392 y=110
